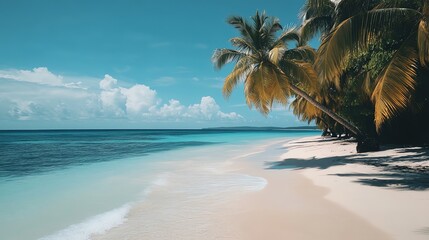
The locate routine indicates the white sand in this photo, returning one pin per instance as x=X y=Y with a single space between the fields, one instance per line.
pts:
x=304 y=197
x=370 y=185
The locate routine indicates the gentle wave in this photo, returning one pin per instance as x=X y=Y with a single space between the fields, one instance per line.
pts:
x=98 y=224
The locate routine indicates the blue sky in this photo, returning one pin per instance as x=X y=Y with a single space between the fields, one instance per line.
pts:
x=124 y=64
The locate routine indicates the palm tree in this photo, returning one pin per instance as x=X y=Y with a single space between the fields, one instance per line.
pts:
x=271 y=71
x=392 y=88
x=321 y=16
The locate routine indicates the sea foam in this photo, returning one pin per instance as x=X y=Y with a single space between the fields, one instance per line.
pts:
x=98 y=224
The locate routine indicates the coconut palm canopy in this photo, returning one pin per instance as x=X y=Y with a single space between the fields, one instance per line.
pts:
x=265 y=62
x=270 y=69
x=392 y=88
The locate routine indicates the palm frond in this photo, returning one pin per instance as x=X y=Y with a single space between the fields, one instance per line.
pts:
x=240 y=70
x=270 y=27
x=274 y=26
x=264 y=86
x=313 y=8
x=398 y=4
x=300 y=73
x=353 y=35
x=395 y=85
x=315 y=25
x=290 y=34
x=223 y=56
x=368 y=86
x=423 y=36
x=243 y=27
x=304 y=110
x=277 y=85
x=348 y=8
x=276 y=53
x=254 y=91
x=303 y=53
x=242 y=45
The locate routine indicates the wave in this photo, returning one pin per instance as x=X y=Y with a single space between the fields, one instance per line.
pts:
x=98 y=224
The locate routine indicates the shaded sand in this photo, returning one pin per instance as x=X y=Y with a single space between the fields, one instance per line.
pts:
x=389 y=188
x=293 y=207
x=277 y=190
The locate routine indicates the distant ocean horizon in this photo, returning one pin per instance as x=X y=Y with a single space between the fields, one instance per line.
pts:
x=69 y=184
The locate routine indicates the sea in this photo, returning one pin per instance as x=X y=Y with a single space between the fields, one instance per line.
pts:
x=76 y=184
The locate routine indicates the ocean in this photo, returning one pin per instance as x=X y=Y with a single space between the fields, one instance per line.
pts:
x=75 y=184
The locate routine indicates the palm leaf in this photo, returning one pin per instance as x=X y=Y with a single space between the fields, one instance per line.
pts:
x=302 y=53
x=290 y=34
x=276 y=53
x=356 y=34
x=368 y=86
x=277 y=85
x=348 y=8
x=313 y=8
x=242 y=44
x=242 y=25
x=270 y=27
x=301 y=73
x=312 y=26
x=423 y=35
x=395 y=85
x=240 y=70
x=223 y=56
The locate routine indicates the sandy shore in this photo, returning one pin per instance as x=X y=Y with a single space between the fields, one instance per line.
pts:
x=315 y=189
x=322 y=189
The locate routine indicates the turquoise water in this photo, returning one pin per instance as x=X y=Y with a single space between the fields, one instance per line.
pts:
x=70 y=184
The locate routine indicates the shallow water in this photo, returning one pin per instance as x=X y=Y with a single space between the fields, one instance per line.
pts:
x=74 y=184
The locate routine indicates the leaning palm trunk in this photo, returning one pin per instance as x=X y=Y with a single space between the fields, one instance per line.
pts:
x=269 y=68
x=365 y=143
x=359 y=135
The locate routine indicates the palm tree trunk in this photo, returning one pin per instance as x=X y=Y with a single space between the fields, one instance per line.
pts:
x=365 y=144
x=359 y=135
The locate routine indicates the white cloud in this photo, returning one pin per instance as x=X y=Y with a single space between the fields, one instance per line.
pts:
x=142 y=101
x=22 y=110
x=108 y=82
x=53 y=99
x=112 y=102
x=121 y=101
x=208 y=109
x=39 y=75
x=139 y=99
x=174 y=109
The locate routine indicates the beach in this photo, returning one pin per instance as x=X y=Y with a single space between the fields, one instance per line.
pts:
x=314 y=189
x=252 y=187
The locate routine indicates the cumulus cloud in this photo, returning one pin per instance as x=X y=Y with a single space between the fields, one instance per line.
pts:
x=40 y=75
x=208 y=109
x=53 y=99
x=108 y=82
x=112 y=102
x=22 y=110
x=139 y=98
x=174 y=109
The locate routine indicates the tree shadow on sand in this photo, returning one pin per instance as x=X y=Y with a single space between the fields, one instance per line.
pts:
x=393 y=173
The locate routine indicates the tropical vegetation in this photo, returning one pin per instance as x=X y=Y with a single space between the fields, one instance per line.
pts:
x=367 y=78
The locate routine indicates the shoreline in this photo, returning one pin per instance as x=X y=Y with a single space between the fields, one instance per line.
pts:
x=294 y=206
x=312 y=191
x=388 y=188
